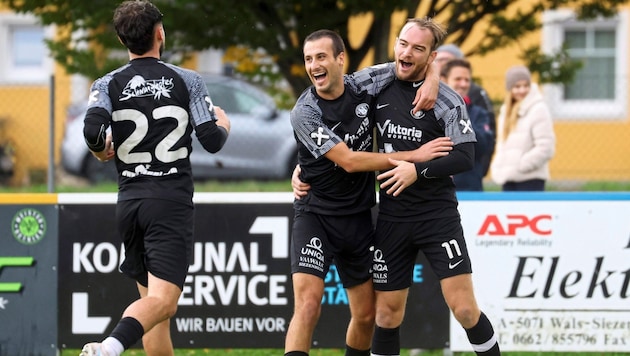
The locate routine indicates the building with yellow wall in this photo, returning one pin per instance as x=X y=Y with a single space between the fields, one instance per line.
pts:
x=26 y=77
x=592 y=119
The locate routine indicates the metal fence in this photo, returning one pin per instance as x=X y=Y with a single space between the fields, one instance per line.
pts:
x=33 y=120
x=592 y=135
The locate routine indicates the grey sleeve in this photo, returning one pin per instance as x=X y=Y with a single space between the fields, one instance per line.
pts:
x=372 y=79
x=98 y=115
x=451 y=108
x=200 y=105
x=309 y=127
x=203 y=118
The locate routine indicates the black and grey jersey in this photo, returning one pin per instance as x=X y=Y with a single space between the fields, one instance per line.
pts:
x=398 y=129
x=321 y=124
x=152 y=108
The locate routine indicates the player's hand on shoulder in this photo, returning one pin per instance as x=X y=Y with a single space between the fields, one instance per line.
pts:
x=427 y=93
x=435 y=148
x=222 y=118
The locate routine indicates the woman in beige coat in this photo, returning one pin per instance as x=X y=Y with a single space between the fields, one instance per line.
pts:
x=525 y=136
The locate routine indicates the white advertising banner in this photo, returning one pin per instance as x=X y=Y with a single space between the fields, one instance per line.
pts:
x=551 y=270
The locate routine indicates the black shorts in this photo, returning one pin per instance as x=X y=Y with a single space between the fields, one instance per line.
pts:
x=158 y=238
x=317 y=240
x=396 y=246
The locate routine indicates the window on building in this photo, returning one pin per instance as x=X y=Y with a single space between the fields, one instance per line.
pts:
x=596 y=50
x=600 y=87
x=28 y=46
x=25 y=56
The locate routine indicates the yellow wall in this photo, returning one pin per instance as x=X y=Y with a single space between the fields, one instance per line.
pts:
x=592 y=151
x=25 y=115
x=24 y=122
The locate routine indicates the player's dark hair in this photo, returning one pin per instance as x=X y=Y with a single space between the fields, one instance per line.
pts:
x=337 y=41
x=134 y=22
x=437 y=30
x=454 y=63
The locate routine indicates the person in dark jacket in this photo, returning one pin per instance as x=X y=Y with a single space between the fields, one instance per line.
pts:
x=457 y=74
x=476 y=93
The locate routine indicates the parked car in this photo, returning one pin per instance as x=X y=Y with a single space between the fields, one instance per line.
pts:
x=261 y=144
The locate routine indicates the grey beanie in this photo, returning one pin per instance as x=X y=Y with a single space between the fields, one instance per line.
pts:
x=452 y=49
x=516 y=74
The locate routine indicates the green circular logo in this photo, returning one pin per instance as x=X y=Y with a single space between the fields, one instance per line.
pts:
x=29 y=226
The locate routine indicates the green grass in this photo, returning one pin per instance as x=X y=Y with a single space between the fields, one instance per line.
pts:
x=205 y=186
x=78 y=186
x=606 y=186
x=243 y=186
x=575 y=186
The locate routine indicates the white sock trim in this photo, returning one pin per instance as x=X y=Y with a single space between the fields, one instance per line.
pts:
x=486 y=345
x=112 y=346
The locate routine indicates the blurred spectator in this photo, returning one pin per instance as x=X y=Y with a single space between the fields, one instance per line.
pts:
x=457 y=74
x=7 y=162
x=477 y=94
x=526 y=140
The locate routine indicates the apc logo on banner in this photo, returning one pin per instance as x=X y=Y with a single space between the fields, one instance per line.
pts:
x=512 y=224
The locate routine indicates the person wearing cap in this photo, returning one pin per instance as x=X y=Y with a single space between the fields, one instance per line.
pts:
x=526 y=138
x=477 y=95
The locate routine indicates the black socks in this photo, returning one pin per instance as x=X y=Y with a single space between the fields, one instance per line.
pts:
x=386 y=341
x=354 y=352
x=128 y=331
x=482 y=338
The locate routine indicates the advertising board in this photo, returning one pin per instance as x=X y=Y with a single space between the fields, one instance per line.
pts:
x=551 y=270
x=28 y=279
x=238 y=292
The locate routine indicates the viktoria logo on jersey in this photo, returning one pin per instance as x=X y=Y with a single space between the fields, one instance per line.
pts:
x=138 y=87
x=399 y=132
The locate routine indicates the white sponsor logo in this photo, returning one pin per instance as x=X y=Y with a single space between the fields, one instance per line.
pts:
x=453 y=265
x=320 y=136
x=139 y=87
x=362 y=110
x=418 y=115
x=467 y=126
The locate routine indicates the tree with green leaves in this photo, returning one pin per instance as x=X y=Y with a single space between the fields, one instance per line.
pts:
x=277 y=27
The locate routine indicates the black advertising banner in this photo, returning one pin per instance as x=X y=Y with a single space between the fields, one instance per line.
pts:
x=238 y=291
x=28 y=280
